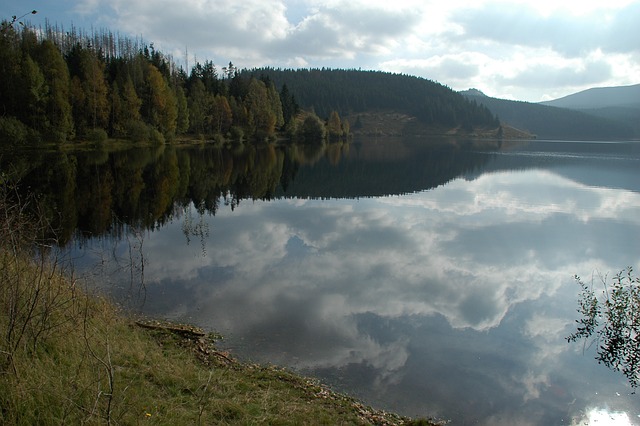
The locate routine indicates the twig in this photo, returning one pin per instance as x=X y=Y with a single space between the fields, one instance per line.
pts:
x=201 y=399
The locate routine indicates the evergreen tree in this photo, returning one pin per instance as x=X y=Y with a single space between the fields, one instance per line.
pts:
x=262 y=119
x=197 y=103
x=118 y=115
x=159 y=103
x=289 y=106
x=275 y=104
x=90 y=95
x=10 y=71
x=58 y=107
x=32 y=104
x=125 y=108
x=131 y=100
x=222 y=118
x=346 y=127
x=334 y=125
x=182 y=123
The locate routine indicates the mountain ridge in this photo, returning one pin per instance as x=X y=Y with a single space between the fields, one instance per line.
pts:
x=604 y=113
x=600 y=97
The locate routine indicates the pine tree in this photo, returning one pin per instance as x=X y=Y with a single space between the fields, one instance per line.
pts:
x=90 y=94
x=182 y=123
x=56 y=73
x=334 y=125
x=159 y=103
x=197 y=103
x=223 y=118
x=289 y=106
x=262 y=119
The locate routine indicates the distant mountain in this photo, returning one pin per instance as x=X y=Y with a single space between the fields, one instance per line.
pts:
x=550 y=122
x=620 y=104
x=600 y=97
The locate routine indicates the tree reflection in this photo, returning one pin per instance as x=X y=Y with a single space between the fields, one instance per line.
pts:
x=196 y=228
x=611 y=320
x=91 y=193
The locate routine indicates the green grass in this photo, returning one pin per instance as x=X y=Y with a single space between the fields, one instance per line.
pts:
x=70 y=358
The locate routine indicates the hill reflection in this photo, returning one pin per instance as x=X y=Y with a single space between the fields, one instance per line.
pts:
x=98 y=192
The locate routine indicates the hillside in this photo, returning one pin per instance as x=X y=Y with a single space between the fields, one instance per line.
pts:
x=353 y=91
x=620 y=104
x=550 y=122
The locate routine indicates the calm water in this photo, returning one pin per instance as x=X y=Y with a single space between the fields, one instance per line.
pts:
x=429 y=278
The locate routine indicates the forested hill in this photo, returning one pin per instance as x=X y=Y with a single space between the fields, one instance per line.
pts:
x=548 y=122
x=354 y=91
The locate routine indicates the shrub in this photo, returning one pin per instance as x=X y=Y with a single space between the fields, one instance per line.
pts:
x=313 y=130
x=155 y=137
x=14 y=131
x=237 y=134
x=611 y=319
x=137 y=131
x=97 y=135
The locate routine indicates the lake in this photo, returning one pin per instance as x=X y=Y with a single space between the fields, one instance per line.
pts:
x=426 y=277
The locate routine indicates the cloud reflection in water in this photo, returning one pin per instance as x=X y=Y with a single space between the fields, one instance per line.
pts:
x=463 y=292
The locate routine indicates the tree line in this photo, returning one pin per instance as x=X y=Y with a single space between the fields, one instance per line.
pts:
x=60 y=86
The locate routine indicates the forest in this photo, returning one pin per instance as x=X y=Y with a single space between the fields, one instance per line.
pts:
x=60 y=86
x=353 y=91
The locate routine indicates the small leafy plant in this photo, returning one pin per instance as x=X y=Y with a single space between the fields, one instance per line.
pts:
x=612 y=321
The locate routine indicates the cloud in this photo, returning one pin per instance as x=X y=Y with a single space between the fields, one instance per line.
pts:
x=467 y=252
x=376 y=286
x=211 y=27
x=347 y=31
x=577 y=73
x=568 y=34
x=260 y=32
x=525 y=50
x=452 y=68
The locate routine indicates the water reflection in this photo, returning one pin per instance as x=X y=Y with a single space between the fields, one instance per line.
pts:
x=444 y=288
x=603 y=417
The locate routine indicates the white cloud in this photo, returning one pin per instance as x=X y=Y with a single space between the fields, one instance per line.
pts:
x=529 y=50
x=572 y=35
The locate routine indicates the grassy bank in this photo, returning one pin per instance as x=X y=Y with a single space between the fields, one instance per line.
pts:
x=70 y=358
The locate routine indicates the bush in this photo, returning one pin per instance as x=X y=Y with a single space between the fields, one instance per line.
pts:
x=14 y=131
x=313 y=130
x=155 y=137
x=611 y=319
x=237 y=134
x=218 y=139
x=137 y=131
x=97 y=135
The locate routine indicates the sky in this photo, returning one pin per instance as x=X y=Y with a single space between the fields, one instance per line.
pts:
x=524 y=50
